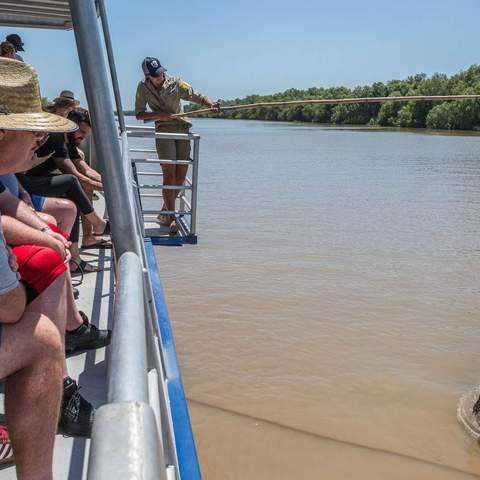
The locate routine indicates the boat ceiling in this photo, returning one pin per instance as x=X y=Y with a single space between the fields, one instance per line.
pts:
x=36 y=14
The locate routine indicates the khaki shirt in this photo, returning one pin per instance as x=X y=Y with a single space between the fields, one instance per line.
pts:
x=166 y=99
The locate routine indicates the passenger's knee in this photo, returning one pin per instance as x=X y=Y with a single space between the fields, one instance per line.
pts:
x=48 y=340
x=69 y=207
x=73 y=181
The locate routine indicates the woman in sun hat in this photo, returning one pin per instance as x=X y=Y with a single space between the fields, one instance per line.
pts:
x=63 y=104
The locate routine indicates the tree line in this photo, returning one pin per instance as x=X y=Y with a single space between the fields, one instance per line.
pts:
x=456 y=115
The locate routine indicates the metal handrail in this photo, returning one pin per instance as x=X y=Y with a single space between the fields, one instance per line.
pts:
x=127 y=368
x=132 y=437
x=140 y=131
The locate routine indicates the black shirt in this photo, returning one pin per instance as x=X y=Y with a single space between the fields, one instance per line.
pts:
x=56 y=147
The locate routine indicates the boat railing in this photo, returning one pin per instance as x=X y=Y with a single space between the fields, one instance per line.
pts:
x=133 y=434
x=142 y=159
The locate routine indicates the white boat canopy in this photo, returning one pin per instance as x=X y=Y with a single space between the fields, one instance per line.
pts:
x=36 y=14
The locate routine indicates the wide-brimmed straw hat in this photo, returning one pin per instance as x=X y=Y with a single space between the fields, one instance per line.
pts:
x=20 y=104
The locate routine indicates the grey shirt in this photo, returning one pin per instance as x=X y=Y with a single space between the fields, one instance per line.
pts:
x=8 y=278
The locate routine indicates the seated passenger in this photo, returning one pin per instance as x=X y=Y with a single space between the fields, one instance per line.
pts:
x=63 y=104
x=44 y=180
x=82 y=118
x=32 y=317
x=7 y=50
x=17 y=42
x=80 y=334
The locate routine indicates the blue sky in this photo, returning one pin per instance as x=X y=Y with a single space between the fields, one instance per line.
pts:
x=229 y=49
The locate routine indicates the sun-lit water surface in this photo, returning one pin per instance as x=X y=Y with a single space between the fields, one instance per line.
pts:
x=328 y=320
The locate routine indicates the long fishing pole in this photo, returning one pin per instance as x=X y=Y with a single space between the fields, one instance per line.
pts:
x=330 y=101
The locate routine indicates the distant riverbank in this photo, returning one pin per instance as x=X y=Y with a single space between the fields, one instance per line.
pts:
x=352 y=127
x=458 y=115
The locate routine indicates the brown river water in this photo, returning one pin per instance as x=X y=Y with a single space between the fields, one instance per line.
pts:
x=328 y=320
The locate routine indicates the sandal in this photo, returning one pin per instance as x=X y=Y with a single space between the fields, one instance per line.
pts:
x=101 y=245
x=83 y=268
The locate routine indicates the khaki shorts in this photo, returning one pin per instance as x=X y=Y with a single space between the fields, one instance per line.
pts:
x=172 y=149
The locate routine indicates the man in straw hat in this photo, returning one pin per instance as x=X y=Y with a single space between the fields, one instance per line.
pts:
x=33 y=313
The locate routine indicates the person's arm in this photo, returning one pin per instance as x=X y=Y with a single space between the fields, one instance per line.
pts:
x=25 y=196
x=187 y=93
x=18 y=209
x=66 y=165
x=83 y=167
x=164 y=117
x=12 y=293
x=17 y=233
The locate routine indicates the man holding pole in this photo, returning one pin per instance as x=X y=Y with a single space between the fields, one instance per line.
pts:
x=163 y=94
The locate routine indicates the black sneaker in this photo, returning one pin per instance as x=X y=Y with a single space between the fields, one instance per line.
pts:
x=86 y=337
x=76 y=415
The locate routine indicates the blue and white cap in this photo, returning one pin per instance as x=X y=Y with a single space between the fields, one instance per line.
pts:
x=151 y=66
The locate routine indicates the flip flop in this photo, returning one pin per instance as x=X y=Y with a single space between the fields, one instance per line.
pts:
x=82 y=268
x=102 y=245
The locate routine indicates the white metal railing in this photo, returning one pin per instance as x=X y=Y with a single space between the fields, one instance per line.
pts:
x=133 y=435
x=186 y=213
x=138 y=401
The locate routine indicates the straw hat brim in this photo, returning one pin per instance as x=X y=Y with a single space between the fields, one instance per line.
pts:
x=36 y=122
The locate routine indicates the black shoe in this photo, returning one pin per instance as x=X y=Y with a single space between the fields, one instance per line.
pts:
x=86 y=337
x=76 y=416
x=76 y=293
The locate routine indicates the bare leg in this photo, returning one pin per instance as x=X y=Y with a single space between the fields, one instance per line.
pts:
x=32 y=354
x=92 y=224
x=74 y=320
x=75 y=255
x=63 y=210
x=180 y=176
x=87 y=227
x=169 y=195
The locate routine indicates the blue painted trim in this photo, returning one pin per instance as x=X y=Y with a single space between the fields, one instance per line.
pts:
x=173 y=240
x=185 y=444
x=167 y=241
